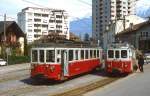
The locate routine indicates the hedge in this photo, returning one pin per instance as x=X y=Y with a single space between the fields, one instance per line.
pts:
x=18 y=59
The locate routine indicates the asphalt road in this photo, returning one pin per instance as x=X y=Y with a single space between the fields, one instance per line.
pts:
x=137 y=84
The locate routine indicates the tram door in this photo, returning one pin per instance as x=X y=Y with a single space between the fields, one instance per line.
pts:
x=64 y=62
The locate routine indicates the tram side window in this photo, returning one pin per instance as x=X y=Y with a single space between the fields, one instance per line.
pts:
x=97 y=53
x=34 y=56
x=117 y=54
x=82 y=54
x=76 y=55
x=70 y=55
x=91 y=53
x=58 y=56
x=86 y=54
x=41 y=55
x=123 y=53
x=94 y=53
x=50 y=56
x=110 y=54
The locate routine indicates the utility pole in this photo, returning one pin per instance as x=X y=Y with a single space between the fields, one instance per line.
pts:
x=4 y=42
x=4 y=28
x=124 y=22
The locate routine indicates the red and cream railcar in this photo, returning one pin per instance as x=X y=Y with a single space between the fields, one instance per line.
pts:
x=121 y=58
x=62 y=63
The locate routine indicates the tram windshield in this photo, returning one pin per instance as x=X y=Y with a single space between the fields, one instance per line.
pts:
x=123 y=53
x=110 y=54
x=43 y=56
x=117 y=54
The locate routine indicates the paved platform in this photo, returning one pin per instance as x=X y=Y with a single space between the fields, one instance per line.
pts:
x=136 y=84
x=11 y=68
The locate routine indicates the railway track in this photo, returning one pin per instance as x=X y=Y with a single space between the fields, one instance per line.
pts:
x=18 y=83
x=84 y=89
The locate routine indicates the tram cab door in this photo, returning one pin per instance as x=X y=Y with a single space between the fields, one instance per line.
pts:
x=64 y=62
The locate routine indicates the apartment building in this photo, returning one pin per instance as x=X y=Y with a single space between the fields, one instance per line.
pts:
x=104 y=12
x=36 y=22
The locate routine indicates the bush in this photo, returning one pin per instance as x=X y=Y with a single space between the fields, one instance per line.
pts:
x=18 y=59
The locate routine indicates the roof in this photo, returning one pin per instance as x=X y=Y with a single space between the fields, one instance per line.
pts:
x=45 y=8
x=12 y=24
x=8 y=23
x=134 y=28
x=121 y=46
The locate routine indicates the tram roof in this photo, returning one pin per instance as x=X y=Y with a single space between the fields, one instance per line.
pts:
x=64 y=45
x=121 y=46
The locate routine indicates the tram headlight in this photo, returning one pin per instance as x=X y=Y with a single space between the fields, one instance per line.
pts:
x=52 y=68
x=126 y=65
x=109 y=65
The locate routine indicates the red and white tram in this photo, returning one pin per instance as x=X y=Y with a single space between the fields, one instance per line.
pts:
x=121 y=58
x=59 y=63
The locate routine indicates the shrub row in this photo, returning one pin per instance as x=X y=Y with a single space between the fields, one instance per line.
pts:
x=18 y=59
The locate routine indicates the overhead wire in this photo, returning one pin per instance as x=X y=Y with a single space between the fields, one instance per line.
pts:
x=51 y=8
x=8 y=17
x=85 y=3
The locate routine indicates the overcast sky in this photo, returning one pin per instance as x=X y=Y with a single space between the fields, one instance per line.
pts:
x=76 y=8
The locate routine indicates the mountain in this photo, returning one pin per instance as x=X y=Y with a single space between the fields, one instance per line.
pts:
x=81 y=26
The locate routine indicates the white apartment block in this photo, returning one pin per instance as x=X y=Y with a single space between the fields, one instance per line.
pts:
x=104 y=12
x=36 y=22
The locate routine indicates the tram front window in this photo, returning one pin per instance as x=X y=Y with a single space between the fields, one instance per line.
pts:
x=34 y=56
x=50 y=56
x=41 y=55
x=110 y=54
x=117 y=54
x=123 y=53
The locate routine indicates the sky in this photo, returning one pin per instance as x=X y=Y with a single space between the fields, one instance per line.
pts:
x=143 y=8
x=77 y=9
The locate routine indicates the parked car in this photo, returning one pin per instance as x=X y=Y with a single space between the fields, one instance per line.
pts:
x=2 y=62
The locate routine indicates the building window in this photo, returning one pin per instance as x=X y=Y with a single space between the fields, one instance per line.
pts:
x=51 y=21
x=37 y=14
x=37 y=20
x=29 y=30
x=58 y=16
x=45 y=21
x=29 y=25
x=58 y=21
x=29 y=20
x=29 y=14
x=44 y=15
x=45 y=26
